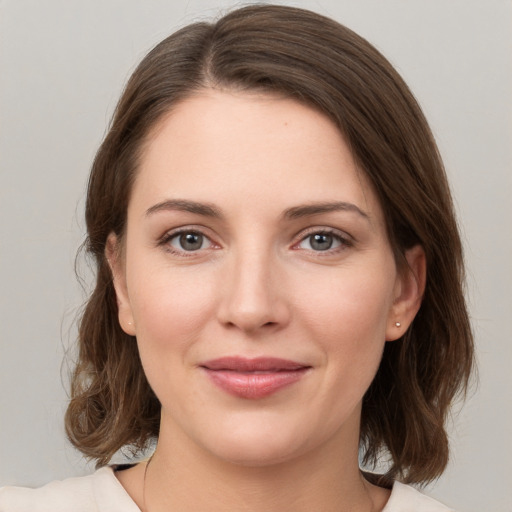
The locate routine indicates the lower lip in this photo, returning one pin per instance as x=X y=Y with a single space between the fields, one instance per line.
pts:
x=254 y=385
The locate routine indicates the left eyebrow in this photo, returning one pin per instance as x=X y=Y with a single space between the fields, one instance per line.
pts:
x=296 y=212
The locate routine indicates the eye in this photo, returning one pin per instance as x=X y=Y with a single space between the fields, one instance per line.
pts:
x=188 y=241
x=322 y=241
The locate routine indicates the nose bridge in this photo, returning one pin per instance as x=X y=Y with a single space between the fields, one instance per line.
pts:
x=251 y=297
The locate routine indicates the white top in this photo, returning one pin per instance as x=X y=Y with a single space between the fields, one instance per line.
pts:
x=102 y=492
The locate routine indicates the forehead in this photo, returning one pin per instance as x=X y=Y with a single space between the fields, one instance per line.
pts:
x=249 y=146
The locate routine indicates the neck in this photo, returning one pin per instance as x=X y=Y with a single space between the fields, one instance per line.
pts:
x=184 y=477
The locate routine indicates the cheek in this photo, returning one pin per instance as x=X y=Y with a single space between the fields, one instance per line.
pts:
x=169 y=314
x=169 y=309
x=350 y=301
x=347 y=317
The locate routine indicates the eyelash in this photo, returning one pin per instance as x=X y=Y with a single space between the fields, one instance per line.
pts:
x=168 y=237
x=343 y=240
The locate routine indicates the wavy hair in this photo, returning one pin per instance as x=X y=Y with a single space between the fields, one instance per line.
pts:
x=317 y=61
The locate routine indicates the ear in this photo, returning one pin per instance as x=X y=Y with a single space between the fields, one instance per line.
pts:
x=113 y=253
x=408 y=293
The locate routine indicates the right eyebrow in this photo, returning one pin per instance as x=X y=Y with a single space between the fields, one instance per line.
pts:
x=184 y=205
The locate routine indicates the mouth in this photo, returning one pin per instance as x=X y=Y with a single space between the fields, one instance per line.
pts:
x=253 y=378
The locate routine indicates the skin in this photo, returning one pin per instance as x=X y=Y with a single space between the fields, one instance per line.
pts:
x=257 y=286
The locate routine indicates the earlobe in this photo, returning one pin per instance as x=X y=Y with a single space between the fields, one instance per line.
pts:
x=115 y=261
x=409 y=291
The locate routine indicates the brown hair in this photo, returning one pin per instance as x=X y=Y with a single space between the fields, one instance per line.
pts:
x=315 y=60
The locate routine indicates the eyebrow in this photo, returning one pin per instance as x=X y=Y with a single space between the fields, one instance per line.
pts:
x=297 y=212
x=205 y=209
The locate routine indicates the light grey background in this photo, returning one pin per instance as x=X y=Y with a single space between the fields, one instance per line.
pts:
x=62 y=66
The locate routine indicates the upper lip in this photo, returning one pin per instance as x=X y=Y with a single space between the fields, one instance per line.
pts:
x=258 y=364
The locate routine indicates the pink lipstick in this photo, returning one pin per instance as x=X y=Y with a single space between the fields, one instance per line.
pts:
x=253 y=378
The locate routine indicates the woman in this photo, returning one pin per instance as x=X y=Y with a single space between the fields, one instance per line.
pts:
x=279 y=281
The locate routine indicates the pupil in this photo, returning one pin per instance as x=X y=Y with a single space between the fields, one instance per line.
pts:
x=191 y=241
x=321 y=242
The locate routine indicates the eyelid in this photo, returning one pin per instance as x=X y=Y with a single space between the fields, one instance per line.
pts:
x=173 y=233
x=345 y=238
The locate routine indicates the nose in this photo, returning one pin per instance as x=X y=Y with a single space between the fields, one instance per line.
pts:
x=253 y=297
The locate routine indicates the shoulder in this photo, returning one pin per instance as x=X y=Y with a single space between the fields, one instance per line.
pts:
x=405 y=498
x=98 y=492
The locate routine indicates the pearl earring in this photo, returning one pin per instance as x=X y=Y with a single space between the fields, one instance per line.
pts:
x=397 y=324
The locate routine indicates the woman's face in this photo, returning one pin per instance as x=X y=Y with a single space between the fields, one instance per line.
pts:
x=257 y=277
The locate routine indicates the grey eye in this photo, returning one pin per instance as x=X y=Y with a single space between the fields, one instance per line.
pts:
x=320 y=242
x=189 y=241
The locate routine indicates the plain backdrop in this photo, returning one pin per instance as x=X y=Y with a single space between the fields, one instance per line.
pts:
x=63 y=64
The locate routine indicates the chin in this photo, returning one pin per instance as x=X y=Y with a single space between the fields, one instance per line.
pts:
x=258 y=444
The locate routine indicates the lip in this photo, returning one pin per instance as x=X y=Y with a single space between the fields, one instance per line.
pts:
x=253 y=378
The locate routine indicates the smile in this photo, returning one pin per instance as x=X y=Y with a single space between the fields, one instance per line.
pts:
x=253 y=378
